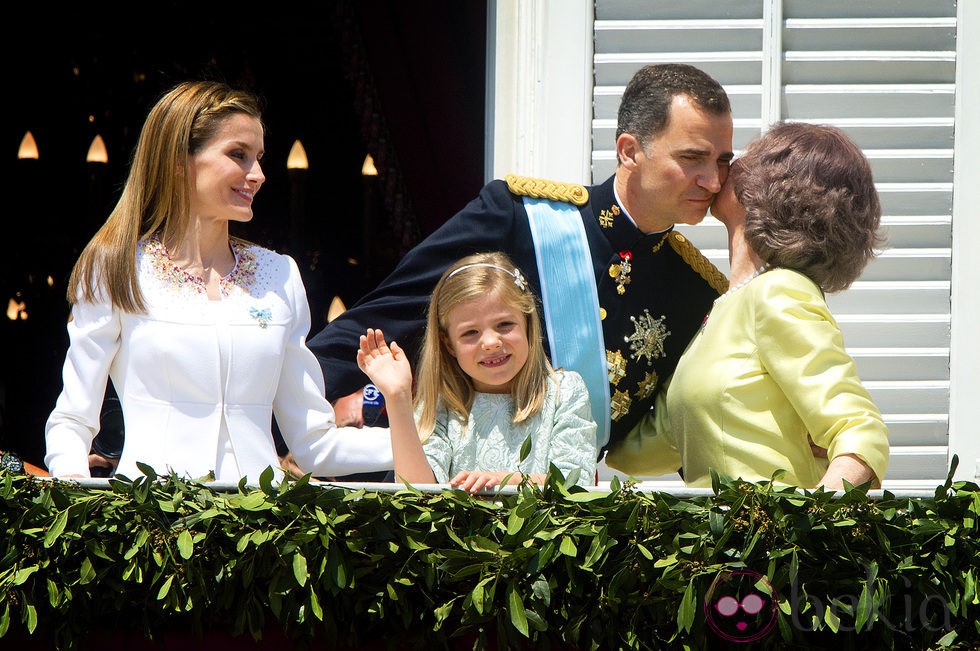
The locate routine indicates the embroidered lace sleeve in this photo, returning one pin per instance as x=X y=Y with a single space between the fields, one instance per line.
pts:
x=573 y=438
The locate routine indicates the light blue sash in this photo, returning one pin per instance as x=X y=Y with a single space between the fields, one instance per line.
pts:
x=571 y=300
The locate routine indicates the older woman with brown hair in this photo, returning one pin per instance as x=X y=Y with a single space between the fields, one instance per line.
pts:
x=768 y=376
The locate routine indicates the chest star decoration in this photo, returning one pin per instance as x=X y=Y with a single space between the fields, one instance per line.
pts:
x=648 y=340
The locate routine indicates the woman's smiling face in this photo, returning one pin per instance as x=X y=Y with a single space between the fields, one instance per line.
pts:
x=225 y=174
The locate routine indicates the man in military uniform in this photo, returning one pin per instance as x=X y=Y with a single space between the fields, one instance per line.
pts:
x=650 y=287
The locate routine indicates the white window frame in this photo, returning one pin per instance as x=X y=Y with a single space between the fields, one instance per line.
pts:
x=964 y=366
x=539 y=89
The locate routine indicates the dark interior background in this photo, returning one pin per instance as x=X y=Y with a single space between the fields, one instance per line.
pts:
x=404 y=82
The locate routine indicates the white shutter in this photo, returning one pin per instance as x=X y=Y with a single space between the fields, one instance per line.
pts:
x=885 y=72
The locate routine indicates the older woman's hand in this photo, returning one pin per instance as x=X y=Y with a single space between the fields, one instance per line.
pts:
x=851 y=468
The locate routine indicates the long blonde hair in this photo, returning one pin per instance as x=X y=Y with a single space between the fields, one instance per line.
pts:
x=440 y=378
x=156 y=196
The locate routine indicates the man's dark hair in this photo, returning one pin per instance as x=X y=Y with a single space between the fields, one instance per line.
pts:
x=645 y=107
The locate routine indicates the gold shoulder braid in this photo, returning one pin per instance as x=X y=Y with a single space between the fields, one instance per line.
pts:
x=526 y=186
x=690 y=254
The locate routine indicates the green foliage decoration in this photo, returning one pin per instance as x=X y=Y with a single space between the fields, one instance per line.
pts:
x=556 y=566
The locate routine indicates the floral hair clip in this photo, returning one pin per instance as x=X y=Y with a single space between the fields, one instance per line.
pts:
x=516 y=273
x=519 y=280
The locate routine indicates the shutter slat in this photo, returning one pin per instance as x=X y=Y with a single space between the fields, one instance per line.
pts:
x=936 y=34
x=737 y=67
x=689 y=9
x=821 y=102
x=916 y=462
x=905 y=430
x=894 y=330
x=879 y=364
x=912 y=165
x=900 y=396
x=918 y=230
x=864 y=10
x=677 y=35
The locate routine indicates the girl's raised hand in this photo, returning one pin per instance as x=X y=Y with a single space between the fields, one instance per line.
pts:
x=386 y=365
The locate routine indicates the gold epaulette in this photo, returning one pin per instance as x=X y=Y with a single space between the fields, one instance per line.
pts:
x=526 y=186
x=690 y=254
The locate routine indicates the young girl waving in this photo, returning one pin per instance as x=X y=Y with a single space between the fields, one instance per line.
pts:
x=484 y=386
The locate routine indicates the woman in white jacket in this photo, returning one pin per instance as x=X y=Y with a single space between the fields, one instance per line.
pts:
x=203 y=334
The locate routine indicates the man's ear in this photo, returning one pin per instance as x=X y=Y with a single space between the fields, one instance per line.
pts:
x=627 y=149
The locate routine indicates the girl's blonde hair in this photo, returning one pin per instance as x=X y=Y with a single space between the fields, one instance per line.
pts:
x=156 y=196
x=440 y=378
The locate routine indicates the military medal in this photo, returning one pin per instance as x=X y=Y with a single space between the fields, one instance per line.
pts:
x=606 y=217
x=619 y=404
x=616 y=365
x=621 y=272
x=647 y=386
x=648 y=340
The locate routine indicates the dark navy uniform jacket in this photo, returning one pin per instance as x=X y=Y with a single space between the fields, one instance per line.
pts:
x=649 y=314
